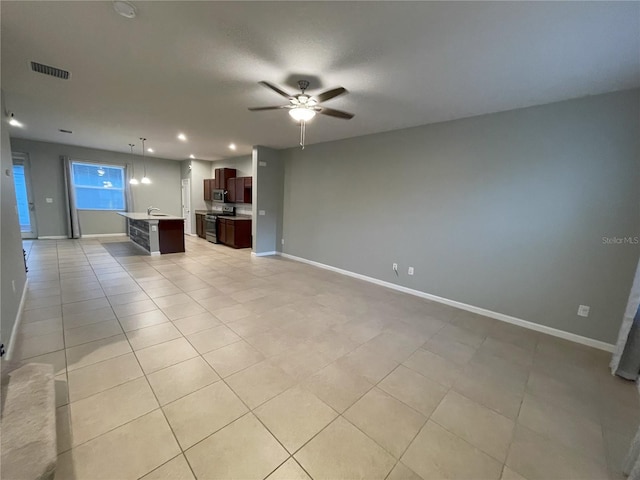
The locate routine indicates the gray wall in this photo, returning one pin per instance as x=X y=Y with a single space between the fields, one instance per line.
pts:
x=504 y=211
x=11 y=260
x=47 y=181
x=242 y=164
x=268 y=197
x=200 y=169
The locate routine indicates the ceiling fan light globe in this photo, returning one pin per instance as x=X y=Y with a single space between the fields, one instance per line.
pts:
x=302 y=114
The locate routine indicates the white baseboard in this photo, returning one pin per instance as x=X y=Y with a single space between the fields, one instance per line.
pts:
x=263 y=254
x=16 y=326
x=53 y=237
x=98 y=235
x=463 y=306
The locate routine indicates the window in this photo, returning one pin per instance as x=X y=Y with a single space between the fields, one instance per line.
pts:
x=22 y=198
x=98 y=187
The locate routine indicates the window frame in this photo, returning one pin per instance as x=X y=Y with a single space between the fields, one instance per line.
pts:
x=123 y=170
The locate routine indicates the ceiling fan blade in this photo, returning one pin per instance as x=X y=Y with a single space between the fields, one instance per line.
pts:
x=257 y=109
x=336 y=113
x=329 y=94
x=275 y=89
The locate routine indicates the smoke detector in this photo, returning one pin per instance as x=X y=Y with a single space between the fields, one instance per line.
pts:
x=125 y=9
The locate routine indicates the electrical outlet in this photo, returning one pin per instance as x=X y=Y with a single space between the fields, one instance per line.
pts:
x=583 y=310
x=395 y=267
x=282 y=241
x=49 y=200
x=410 y=272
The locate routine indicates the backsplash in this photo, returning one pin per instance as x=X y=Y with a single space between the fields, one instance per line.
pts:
x=241 y=209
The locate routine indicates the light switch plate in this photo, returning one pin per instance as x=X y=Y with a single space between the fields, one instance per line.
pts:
x=49 y=200
x=583 y=310
x=261 y=212
x=262 y=164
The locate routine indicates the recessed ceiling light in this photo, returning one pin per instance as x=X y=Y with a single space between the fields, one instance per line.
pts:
x=192 y=156
x=232 y=146
x=150 y=150
x=182 y=136
x=125 y=9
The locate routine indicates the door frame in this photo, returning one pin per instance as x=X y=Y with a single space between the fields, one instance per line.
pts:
x=21 y=158
x=185 y=194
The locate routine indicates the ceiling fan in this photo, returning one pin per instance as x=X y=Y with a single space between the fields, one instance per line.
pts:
x=303 y=107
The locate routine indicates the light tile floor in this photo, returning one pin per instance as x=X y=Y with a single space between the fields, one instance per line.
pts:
x=215 y=364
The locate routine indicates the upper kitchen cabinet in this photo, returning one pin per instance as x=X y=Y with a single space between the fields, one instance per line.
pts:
x=244 y=189
x=231 y=190
x=223 y=175
x=240 y=189
x=208 y=188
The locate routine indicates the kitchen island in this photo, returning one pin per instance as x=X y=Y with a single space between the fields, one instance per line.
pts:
x=156 y=233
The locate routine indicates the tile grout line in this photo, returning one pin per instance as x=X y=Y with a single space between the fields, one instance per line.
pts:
x=149 y=264
x=144 y=374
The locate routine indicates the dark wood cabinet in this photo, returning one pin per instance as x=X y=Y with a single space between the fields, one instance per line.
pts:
x=230 y=233
x=171 y=236
x=200 y=228
x=240 y=189
x=244 y=189
x=222 y=178
x=208 y=188
x=231 y=190
x=221 y=231
x=235 y=232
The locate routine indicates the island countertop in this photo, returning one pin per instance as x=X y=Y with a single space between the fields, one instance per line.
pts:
x=144 y=216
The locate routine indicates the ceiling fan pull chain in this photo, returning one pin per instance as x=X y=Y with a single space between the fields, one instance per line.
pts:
x=303 y=131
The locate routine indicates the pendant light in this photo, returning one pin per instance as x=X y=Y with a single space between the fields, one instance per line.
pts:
x=146 y=180
x=133 y=180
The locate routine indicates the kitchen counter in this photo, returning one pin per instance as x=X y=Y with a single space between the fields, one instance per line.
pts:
x=144 y=216
x=157 y=234
x=235 y=217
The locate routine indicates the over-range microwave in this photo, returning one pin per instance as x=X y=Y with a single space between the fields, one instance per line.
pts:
x=219 y=195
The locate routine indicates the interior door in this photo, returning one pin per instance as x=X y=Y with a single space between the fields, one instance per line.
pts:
x=24 y=195
x=186 y=205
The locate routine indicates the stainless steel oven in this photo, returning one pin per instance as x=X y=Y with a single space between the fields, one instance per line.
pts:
x=211 y=222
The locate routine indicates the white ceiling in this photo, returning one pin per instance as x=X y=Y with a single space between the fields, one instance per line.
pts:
x=194 y=67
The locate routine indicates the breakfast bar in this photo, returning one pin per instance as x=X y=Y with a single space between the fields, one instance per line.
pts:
x=157 y=233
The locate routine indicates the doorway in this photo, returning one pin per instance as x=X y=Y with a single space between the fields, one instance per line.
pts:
x=24 y=195
x=186 y=205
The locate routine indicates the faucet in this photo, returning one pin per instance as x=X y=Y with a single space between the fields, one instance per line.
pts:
x=151 y=209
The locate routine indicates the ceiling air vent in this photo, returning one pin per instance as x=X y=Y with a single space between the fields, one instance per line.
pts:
x=47 y=70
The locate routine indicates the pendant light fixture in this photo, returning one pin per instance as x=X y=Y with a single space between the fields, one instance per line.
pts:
x=133 y=180
x=146 y=180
